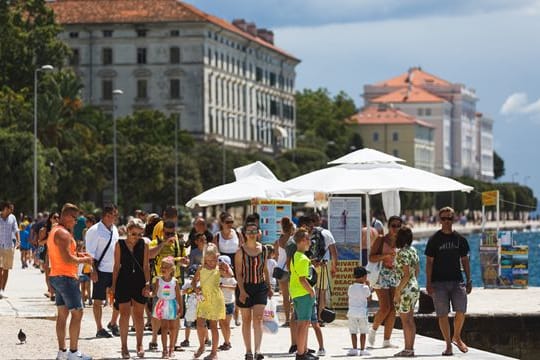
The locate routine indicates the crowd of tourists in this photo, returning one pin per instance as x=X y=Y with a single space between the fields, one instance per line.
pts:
x=153 y=277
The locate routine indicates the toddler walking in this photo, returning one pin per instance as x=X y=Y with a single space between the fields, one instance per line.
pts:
x=168 y=305
x=228 y=285
x=359 y=294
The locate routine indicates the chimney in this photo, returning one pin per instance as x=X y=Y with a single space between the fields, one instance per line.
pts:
x=252 y=28
x=266 y=35
x=240 y=23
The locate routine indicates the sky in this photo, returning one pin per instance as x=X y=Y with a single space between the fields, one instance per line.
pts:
x=492 y=46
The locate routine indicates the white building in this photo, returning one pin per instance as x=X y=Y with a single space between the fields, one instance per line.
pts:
x=463 y=140
x=226 y=81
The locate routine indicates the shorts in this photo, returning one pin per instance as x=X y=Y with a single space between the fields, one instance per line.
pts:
x=314 y=313
x=6 y=258
x=303 y=307
x=84 y=278
x=322 y=276
x=229 y=309
x=257 y=295
x=387 y=279
x=67 y=292
x=99 y=291
x=358 y=325
x=445 y=292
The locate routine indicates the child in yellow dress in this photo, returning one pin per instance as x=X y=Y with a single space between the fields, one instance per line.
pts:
x=211 y=307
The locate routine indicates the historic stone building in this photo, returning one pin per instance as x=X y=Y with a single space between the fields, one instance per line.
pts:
x=463 y=136
x=225 y=81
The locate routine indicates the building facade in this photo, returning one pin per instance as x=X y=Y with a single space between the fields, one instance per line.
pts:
x=464 y=141
x=397 y=133
x=224 y=81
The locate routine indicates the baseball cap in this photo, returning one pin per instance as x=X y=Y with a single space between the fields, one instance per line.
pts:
x=225 y=259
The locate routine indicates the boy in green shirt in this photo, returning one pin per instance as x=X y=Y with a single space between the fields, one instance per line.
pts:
x=302 y=292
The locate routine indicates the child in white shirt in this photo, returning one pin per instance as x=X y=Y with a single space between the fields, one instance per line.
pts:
x=227 y=285
x=359 y=294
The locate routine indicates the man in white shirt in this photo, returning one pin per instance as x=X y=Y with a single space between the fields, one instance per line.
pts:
x=8 y=230
x=101 y=239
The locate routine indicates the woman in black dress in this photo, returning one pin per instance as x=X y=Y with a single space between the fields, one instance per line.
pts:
x=131 y=280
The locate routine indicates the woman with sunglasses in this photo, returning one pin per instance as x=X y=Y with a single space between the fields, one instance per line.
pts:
x=384 y=251
x=228 y=240
x=253 y=289
x=131 y=283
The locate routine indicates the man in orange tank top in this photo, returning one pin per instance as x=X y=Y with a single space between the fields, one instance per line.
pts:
x=64 y=261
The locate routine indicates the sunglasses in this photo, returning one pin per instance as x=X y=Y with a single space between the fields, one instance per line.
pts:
x=169 y=234
x=229 y=222
x=395 y=226
x=447 y=218
x=252 y=232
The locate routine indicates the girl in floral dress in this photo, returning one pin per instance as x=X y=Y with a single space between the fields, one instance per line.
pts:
x=407 y=290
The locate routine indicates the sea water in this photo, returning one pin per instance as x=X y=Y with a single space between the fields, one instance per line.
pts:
x=532 y=239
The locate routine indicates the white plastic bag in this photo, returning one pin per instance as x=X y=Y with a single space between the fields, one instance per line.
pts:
x=191 y=308
x=270 y=318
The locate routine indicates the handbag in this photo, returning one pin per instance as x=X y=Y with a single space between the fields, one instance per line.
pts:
x=280 y=274
x=373 y=271
x=327 y=314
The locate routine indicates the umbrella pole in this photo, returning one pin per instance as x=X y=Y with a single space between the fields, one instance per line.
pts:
x=368 y=230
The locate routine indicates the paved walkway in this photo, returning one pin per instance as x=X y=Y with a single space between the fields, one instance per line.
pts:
x=26 y=308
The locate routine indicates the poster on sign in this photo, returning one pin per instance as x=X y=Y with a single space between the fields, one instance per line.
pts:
x=345 y=219
x=271 y=212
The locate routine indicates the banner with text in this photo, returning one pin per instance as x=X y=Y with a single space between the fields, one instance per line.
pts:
x=271 y=212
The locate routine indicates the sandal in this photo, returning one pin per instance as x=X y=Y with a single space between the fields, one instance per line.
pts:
x=259 y=356
x=225 y=346
x=140 y=351
x=248 y=356
x=125 y=354
x=405 y=353
x=199 y=352
x=178 y=348
x=164 y=354
x=461 y=346
x=152 y=346
x=212 y=356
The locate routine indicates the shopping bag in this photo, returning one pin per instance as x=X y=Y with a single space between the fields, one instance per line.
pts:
x=270 y=319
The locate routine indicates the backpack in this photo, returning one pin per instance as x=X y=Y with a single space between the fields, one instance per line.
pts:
x=317 y=249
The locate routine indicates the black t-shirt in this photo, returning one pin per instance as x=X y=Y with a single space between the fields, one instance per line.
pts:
x=446 y=251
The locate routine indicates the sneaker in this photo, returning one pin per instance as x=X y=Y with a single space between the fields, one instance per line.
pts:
x=353 y=352
x=364 y=353
x=321 y=352
x=115 y=330
x=371 y=336
x=184 y=343
x=103 y=334
x=62 y=355
x=77 y=355
x=388 y=345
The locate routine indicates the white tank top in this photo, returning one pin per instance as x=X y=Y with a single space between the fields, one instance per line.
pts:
x=282 y=258
x=228 y=246
x=167 y=289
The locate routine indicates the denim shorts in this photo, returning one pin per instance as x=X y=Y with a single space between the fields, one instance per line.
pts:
x=229 y=309
x=445 y=292
x=67 y=292
x=303 y=307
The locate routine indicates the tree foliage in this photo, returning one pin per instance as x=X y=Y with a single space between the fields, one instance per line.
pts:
x=498 y=166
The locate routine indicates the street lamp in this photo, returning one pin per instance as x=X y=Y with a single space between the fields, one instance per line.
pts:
x=176 y=130
x=36 y=71
x=115 y=172
x=514 y=174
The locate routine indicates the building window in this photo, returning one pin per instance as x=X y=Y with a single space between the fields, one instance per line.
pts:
x=258 y=74
x=107 y=89
x=142 y=89
x=395 y=136
x=141 y=32
x=375 y=136
x=420 y=112
x=74 y=59
x=175 y=89
x=107 y=33
x=141 y=55
x=272 y=79
x=174 y=55
x=107 y=56
x=73 y=34
x=175 y=33
x=428 y=112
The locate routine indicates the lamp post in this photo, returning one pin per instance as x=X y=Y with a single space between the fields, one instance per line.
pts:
x=115 y=172
x=176 y=129
x=36 y=71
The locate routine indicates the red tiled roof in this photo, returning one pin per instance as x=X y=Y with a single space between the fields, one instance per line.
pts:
x=411 y=94
x=376 y=115
x=143 y=11
x=415 y=76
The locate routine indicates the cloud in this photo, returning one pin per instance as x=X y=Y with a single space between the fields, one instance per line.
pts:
x=518 y=103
